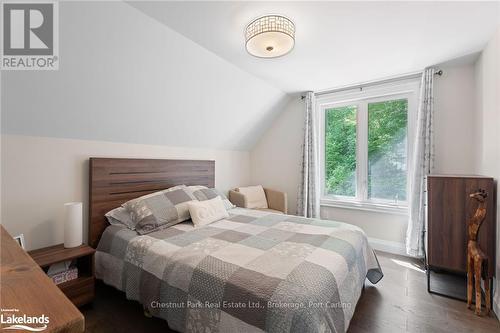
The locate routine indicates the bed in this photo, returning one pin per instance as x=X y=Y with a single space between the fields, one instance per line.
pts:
x=250 y=272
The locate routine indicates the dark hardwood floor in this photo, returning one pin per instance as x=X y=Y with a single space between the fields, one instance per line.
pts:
x=398 y=303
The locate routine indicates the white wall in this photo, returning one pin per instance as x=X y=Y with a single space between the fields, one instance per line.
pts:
x=488 y=106
x=275 y=159
x=39 y=174
x=455 y=133
x=125 y=77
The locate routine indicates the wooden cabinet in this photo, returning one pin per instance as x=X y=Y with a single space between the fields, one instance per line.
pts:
x=449 y=208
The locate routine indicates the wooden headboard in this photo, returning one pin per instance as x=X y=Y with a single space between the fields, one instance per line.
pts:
x=114 y=181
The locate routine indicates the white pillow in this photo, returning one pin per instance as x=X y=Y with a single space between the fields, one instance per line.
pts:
x=255 y=195
x=208 y=211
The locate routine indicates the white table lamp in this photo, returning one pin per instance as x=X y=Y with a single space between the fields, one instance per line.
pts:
x=73 y=224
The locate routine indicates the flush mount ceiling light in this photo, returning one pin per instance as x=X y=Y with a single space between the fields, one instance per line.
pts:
x=270 y=36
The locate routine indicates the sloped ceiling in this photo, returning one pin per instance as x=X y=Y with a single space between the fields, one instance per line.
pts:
x=177 y=73
x=124 y=77
x=337 y=43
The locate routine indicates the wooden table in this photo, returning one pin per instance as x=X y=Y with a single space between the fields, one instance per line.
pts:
x=26 y=290
x=80 y=290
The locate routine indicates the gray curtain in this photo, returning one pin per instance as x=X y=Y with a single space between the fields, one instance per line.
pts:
x=308 y=196
x=423 y=160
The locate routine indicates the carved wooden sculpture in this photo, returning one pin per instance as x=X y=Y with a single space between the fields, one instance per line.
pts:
x=477 y=261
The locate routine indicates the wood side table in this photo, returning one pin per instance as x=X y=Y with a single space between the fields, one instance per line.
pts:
x=80 y=290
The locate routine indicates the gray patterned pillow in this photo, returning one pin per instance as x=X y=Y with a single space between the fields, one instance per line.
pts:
x=160 y=210
x=120 y=216
x=210 y=193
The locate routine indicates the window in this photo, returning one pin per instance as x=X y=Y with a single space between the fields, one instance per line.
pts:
x=365 y=148
x=340 y=150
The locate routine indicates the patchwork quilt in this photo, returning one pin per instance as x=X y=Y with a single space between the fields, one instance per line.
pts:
x=251 y=272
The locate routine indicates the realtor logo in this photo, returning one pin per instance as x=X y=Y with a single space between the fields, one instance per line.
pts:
x=13 y=319
x=30 y=36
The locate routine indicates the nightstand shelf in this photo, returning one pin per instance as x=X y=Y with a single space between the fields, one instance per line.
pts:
x=80 y=290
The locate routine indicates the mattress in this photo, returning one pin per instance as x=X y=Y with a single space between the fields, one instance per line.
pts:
x=251 y=272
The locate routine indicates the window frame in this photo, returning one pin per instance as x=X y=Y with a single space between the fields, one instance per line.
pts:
x=361 y=97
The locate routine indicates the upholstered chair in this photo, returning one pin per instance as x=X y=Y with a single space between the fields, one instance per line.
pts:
x=260 y=198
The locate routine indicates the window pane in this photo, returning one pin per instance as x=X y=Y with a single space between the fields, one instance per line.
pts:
x=387 y=129
x=340 y=151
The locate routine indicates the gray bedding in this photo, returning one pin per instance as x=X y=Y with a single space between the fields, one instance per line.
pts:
x=252 y=272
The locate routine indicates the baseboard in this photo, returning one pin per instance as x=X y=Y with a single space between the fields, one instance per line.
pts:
x=388 y=246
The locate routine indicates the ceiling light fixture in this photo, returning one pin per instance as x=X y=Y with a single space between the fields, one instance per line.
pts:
x=270 y=36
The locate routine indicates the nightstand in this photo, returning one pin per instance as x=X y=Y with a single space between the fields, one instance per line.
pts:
x=80 y=290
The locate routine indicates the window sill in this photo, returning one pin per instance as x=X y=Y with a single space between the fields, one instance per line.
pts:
x=366 y=206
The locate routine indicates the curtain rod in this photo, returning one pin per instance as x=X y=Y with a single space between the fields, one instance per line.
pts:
x=371 y=83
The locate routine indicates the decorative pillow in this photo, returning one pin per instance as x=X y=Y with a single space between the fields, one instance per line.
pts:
x=120 y=216
x=208 y=211
x=203 y=194
x=255 y=195
x=160 y=210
